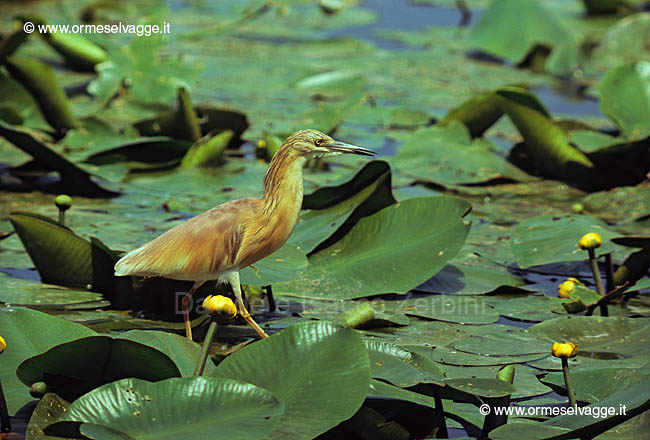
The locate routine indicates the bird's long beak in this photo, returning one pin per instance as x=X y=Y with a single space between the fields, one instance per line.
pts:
x=342 y=147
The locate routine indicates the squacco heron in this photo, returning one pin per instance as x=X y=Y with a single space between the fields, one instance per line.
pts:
x=216 y=244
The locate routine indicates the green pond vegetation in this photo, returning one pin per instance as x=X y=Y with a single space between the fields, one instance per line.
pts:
x=416 y=287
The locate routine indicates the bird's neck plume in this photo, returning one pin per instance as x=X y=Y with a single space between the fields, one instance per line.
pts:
x=283 y=179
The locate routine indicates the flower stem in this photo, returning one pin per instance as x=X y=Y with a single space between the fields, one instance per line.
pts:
x=203 y=356
x=599 y=282
x=567 y=382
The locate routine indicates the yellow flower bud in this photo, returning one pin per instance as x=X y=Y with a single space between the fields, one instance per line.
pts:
x=3 y=344
x=566 y=350
x=565 y=289
x=261 y=143
x=221 y=306
x=590 y=241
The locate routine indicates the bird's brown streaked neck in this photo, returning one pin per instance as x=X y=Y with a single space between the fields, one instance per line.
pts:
x=283 y=179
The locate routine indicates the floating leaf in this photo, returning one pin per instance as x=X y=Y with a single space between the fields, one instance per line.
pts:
x=286 y=263
x=61 y=256
x=510 y=28
x=549 y=239
x=399 y=366
x=76 y=367
x=75 y=179
x=207 y=151
x=179 y=349
x=393 y=250
x=151 y=78
x=28 y=333
x=545 y=141
x=19 y=292
x=367 y=192
x=40 y=79
x=447 y=155
x=478 y=114
x=203 y=408
x=303 y=361
x=19 y=107
x=625 y=42
x=625 y=97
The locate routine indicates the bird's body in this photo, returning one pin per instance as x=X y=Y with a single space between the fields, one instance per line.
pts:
x=216 y=244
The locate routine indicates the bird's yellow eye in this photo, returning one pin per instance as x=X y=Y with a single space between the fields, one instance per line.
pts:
x=318 y=142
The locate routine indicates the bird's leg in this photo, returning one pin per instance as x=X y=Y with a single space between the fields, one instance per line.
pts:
x=233 y=279
x=185 y=306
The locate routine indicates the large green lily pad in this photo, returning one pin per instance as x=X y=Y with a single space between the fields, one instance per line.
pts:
x=28 y=333
x=203 y=408
x=76 y=367
x=303 y=361
x=422 y=234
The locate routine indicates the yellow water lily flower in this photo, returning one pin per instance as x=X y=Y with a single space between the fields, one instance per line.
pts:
x=564 y=350
x=565 y=289
x=220 y=305
x=590 y=241
x=3 y=344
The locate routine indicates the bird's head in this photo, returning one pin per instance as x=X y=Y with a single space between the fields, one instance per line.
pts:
x=313 y=143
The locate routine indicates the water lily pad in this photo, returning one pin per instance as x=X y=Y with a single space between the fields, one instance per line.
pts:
x=179 y=349
x=400 y=367
x=306 y=360
x=19 y=292
x=530 y=308
x=19 y=107
x=286 y=263
x=447 y=155
x=625 y=97
x=549 y=239
x=505 y=343
x=455 y=357
x=597 y=336
x=623 y=43
x=636 y=400
x=76 y=367
x=481 y=387
x=470 y=274
x=369 y=190
x=386 y=390
x=451 y=308
x=76 y=179
x=210 y=408
x=525 y=381
x=421 y=233
x=623 y=204
x=609 y=380
x=28 y=333
x=545 y=142
x=510 y=28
